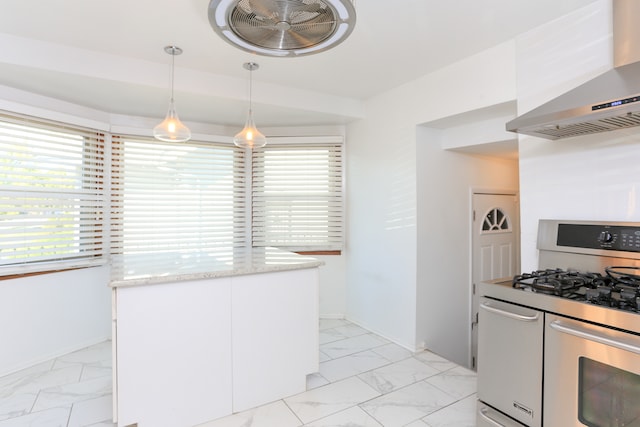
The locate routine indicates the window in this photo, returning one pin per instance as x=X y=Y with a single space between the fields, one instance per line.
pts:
x=51 y=196
x=178 y=204
x=168 y=201
x=496 y=221
x=175 y=202
x=607 y=393
x=297 y=196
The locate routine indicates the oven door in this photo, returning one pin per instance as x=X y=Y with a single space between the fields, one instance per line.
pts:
x=591 y=375
x=510 y=360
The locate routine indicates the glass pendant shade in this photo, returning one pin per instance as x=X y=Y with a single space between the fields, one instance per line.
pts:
x=250 y=136
x=172 y=129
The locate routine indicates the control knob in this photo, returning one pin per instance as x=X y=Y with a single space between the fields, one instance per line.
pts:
x=605 y=237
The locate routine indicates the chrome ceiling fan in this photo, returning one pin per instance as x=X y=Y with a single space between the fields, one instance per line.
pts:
x=283 y=28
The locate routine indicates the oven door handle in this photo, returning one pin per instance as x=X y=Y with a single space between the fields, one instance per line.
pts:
x=484 y=413
x=516 y=316
x=581 y=333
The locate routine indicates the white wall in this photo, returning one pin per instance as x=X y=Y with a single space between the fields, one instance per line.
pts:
x=48 y=315
x=381 y=224
x=399 y=179
x=333 y=286
x=594 y=177
x=446 y=181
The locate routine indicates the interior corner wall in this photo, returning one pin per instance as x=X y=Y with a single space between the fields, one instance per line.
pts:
x=332 y=286
x=384 y=291
x=584 y=178
x=45 y=316
x=445 y=237
x=381 y=228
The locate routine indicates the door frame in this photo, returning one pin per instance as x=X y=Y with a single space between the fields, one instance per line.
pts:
x=489 y=191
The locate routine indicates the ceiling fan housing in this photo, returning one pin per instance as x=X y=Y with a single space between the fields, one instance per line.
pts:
x=283 y=27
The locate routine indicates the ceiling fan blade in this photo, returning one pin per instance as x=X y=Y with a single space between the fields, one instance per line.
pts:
x=267 y=9
x=313 y=7
x=303 y=11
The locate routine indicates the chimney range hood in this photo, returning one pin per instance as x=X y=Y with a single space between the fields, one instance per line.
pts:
x=610 y=101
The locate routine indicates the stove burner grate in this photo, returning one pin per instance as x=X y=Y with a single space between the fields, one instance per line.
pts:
x=617 y=289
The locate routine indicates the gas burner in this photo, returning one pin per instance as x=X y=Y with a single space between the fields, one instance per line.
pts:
x=618 y=289
x=600 y=295
x=625 y=277
x=629 y=300
x=552 y=281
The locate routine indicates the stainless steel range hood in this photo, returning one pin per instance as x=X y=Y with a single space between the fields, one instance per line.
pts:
x=608 y=102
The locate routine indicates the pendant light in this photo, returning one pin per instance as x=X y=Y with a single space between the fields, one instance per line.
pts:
x=171 y=129
x=250 y=136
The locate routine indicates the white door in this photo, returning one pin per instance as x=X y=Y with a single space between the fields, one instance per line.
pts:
x=496 y=249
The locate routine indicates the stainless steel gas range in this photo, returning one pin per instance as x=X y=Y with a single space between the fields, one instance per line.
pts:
x=560 y=346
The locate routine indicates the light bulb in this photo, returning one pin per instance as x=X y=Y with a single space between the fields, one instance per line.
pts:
x=250 y=136
x=171 y=128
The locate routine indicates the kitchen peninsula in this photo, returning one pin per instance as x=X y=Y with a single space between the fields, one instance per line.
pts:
x=207 y=336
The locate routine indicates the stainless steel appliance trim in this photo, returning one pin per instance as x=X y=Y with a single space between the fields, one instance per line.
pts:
x=506 y=381
x=562 y=373
x=485 y=415
x=548 y=234
x=573 y=330
x=620 y=319
x=515 y=316
x=607 y=102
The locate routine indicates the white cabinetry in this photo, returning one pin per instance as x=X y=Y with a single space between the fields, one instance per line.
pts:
x=275 y=336
x=193 y=351
x=173 y=353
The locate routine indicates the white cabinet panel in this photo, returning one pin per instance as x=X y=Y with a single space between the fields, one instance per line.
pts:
x=193 y=351
x=275 y=335
x=174 y=353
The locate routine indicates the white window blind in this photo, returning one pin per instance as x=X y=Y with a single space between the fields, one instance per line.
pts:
x=52 y=196
x=297 y=196
x=173 y=203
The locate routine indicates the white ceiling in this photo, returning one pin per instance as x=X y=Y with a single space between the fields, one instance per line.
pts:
x=109 y=55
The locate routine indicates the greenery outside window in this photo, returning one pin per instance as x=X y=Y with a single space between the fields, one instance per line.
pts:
x=52 y=196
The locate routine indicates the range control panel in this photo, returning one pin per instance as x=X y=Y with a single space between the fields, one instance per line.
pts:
x=607 y=237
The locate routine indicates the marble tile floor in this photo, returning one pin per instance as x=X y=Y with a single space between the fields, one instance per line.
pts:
x=364 y=381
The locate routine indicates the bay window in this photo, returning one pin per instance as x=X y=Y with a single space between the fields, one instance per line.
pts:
x=168 y=202
x=52 y=196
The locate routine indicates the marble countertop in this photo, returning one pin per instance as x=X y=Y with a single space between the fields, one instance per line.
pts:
x=150 y=269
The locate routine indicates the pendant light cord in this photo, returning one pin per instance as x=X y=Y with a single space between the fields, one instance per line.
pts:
x=250 y=66
x=250 y=90
x=173 y=64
